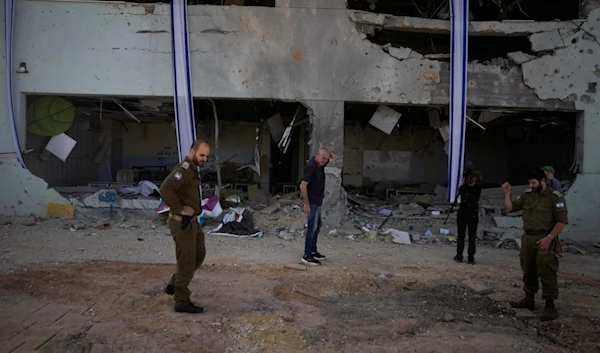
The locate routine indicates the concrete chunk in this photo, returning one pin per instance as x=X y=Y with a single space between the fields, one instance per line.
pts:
x=509 y=222
x=402 y=53
x=519 y=57
x=478 y=286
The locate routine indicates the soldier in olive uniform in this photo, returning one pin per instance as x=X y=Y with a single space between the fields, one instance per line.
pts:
x=544 y=217
x=181 y=192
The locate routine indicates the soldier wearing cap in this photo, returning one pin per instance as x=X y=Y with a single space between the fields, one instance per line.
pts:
x=544 y=217
x=551 y=180
x=181 y=192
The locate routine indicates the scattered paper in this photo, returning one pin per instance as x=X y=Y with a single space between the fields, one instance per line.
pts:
x=397 y=236
x=61 y=146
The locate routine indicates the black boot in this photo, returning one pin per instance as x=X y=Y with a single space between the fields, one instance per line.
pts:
x=528 y=302
x=458 y=259
x=170 y=289
x=550 y=313
x=189 y=308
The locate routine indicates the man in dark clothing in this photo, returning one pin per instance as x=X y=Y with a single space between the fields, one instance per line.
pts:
x=312 y=188
x=468 y=215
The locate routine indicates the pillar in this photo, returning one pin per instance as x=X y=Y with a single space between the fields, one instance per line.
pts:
x=327 y=122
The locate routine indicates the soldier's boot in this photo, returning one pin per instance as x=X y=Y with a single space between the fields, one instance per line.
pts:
x=528 y=302
x=189 y=308
x=550 y=313
x=170 y=289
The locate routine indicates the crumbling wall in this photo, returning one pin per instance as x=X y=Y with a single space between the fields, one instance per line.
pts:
x=22 y=193
x=572 y=73
x=283 y=53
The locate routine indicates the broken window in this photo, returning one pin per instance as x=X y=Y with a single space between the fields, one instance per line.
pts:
x=437 y=46
x=82 y=145
x=265 y=3
x=480 y=10
x=389 y=148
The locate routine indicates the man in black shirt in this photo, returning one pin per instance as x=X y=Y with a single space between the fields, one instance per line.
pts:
x=468 y=214
x=312 y=188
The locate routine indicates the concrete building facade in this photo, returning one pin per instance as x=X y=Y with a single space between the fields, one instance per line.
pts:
x=318 y=53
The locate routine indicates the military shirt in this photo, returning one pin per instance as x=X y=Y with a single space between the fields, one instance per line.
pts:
x=181 y=188
x=541 y=211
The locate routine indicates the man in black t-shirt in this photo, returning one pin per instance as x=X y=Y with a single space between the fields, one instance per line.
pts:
x=312 y=188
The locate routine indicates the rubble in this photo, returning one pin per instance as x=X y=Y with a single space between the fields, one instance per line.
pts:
x=285 y=235
x=509 y=222
x=478 y=286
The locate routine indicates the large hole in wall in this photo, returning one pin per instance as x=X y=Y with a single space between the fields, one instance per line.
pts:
x=265 y=3
x=121 y=141
x=413 y=153
x=481 y=10
x=480 y=48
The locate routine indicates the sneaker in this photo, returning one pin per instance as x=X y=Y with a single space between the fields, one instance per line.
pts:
x=309 y=260
x=457 y=259
x=170 y=289
x=189 y=308
x=318 y=256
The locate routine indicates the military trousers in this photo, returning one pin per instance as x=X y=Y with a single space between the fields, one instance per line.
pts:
x=539 y=266
x=190 y=252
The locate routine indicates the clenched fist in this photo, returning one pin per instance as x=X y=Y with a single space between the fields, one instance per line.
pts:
x=507 y=188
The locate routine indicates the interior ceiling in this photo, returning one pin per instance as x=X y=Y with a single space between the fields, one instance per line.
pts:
x=482 y=10
x=418 y=116
x=161 y=109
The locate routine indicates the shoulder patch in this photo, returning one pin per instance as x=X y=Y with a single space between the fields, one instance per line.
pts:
x=557 y=193
x=177 y=176
x=185 y=165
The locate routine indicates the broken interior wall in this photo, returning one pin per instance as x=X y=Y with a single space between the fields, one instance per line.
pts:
x=572 y=73
x=156 y=144
x=78 y=169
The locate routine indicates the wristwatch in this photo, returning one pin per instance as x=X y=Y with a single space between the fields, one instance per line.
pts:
x=550 y=236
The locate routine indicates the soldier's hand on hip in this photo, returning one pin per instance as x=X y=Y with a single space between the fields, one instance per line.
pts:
x=506 y=187
x=187 y=211
x=544 y=243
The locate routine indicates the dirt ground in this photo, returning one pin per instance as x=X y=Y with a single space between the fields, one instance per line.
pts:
x=77 y=287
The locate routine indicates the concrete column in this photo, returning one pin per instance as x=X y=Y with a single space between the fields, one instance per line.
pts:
x=327 y=119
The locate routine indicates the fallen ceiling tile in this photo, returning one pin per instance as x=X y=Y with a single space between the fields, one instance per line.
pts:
x=385 y=119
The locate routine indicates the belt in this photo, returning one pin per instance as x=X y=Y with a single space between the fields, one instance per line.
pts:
x=178 y=218
x=536 y=232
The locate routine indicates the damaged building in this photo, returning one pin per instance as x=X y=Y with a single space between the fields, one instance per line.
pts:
x=275 y=80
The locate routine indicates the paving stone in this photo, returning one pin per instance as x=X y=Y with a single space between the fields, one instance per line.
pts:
x=478 y=286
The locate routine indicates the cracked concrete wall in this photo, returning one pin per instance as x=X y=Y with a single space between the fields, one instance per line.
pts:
x=572 y=73
x=298 y=54
x=22 y=193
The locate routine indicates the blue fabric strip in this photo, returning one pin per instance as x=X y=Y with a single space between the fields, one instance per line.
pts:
x=9 y=17
x=459 y=27
x=182 y=78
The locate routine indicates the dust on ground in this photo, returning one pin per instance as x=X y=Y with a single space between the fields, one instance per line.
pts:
x=69 y=287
